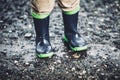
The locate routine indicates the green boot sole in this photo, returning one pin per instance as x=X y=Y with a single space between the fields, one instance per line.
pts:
x=65 y=41
x=43 y=55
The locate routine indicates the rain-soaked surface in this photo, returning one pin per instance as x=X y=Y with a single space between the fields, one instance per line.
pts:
x=99 y=24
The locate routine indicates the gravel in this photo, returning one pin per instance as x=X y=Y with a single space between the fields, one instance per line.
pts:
x=99 y=24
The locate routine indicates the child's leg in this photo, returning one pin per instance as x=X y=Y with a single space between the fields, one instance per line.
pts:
x=72 y=37
x=69 y=6
x=41 y=8
x=40 y=11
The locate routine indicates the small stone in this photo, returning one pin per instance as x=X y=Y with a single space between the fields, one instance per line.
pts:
x=98 y=70
x=1 y=21
x=51 y=34
x=116 y=77
x=67 y=56
x=4 y=26
x=93 y=77
x=116 y=65
x=114 y=49
x=102 y=19
x=55 y=62
x=84 y=72
x=90 y=22
x=28 y=35
x=73 y=69
x=30 y=26
x=67 y=72
x=7 y=73
x=80 y=73
x=58 y=61
x=80 y=77
x=94 y=65
x=105 y=66
x=83 y=14
x=10 y=31
x=107 y=19
x=117 y=5
x=115 y=69
x=76 y=56
x=106 y=6
x=102 y=74
x=52 y=68
x=104 y=56
x=27 y=63
x=15 y=61
x=25 y=16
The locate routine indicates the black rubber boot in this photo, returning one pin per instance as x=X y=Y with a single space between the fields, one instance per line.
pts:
x=43 y=46
x=71 y=36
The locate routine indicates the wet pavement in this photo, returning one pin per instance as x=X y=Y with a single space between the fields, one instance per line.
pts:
x=99 y=24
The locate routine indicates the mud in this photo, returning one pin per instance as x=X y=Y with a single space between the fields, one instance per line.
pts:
x=99 y=24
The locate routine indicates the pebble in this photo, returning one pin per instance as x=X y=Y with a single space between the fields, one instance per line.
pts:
x=52 y=68
x=113 y=49
x=28 y=35
x=30 y=26
x=27 y=63
x=102 y=73
x=66 y=56
x=10 y=31
x=117 y=65
x=116 y=77
x=73 y=69
x=83 y=14
x=94 y=65
x=104 y=56
x=1 y=21
x=98 y=70
x=58 y=61
x=66 y=72
x=15 y=61
x=90 y=22
x=80 y=77
x=76 y=56
x=101 y=19
x=25 y=16
x=83 y=72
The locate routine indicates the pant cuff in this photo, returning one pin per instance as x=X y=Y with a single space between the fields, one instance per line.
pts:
x=39 y=16
x=73 y=11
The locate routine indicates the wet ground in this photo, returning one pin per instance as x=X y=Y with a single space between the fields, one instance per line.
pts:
x=99 y=24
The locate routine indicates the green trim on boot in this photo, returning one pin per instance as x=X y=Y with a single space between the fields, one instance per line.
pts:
x=78 y=48
x=74 y=48
x=43 y=55
x=39 y=16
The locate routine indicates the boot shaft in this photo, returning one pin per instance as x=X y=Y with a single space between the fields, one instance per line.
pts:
x=70 y=24
x=42 y=28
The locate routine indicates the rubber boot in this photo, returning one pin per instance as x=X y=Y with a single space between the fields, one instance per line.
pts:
x=43 y=46
x=71 y=36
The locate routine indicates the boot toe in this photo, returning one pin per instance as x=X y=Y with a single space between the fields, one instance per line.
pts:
x=44 y=50
x=76 y=43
